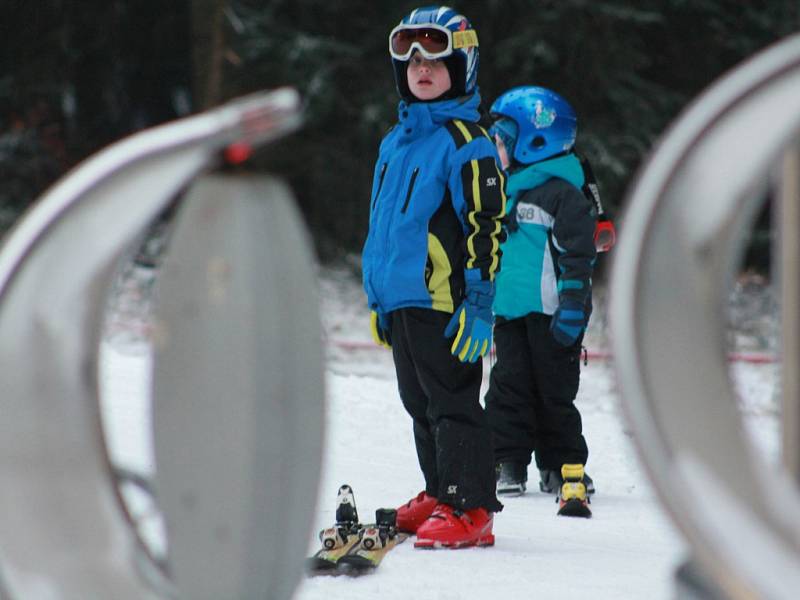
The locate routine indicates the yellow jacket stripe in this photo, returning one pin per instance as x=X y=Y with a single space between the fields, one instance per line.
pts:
x=464 y=131
x=438 y=281
x=483 y=188
x=486 y=205
x=476 y=198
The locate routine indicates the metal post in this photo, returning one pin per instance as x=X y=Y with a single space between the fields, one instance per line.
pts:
x=238 y=413
x=789 y=232
x=688 y=213
x=64 y=533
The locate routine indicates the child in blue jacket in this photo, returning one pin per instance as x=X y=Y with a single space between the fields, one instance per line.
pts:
x=543 y=294
x=429 y=263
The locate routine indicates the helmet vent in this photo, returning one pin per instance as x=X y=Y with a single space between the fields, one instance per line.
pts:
x=538 y=142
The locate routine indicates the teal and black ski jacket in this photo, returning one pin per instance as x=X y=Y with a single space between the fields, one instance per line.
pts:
x=436 y=208
x=550 y=253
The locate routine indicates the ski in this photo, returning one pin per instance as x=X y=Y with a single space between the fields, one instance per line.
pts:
x=339 y=539
x=375 y=541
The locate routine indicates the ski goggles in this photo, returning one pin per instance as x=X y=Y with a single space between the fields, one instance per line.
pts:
x=433 y=41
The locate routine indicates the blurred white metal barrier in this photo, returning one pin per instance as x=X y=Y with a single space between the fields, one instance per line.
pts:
x=683 y=237
x=788 y=254
x=238 y=378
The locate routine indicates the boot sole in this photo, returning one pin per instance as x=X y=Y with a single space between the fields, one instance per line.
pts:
x=511 y=490
x=487 y=540
x=575 y=508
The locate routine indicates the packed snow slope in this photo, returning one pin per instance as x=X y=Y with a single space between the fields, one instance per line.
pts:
x=628 y=550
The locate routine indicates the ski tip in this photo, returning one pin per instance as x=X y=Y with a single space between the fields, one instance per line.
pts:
x=354 y=565
x=320 y=566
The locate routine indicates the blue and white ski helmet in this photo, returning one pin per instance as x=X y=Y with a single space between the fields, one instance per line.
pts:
x=460 y=55
x=546 y=123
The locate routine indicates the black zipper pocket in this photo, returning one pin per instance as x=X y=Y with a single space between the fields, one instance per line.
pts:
x=410 y=189
x=380 y=185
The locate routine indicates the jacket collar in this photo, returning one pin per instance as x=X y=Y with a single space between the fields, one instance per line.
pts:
x=567 y=167
x=417 y=119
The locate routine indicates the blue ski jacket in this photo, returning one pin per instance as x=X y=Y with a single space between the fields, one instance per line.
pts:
x=549 y=253
x=436 y=208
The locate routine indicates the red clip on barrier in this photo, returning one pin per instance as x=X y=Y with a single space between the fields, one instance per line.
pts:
x=605 y=236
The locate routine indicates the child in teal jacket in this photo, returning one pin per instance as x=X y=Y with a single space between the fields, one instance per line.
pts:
x=543 y=295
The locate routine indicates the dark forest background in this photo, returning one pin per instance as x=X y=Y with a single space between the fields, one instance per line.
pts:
x=76 y=76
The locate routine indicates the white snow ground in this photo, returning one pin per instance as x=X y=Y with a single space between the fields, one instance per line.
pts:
x=628 y=550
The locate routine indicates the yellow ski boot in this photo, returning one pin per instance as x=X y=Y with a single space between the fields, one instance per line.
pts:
x=573 y=501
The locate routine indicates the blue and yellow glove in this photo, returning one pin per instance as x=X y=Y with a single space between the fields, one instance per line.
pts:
x=568 y=321
x=381 y=326
x=472 y=321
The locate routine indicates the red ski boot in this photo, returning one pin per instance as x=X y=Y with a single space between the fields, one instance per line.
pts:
x=451 y=528
x=414 y=512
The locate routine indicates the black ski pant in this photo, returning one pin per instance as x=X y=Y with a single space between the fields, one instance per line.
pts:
x=442 y=395
x=532 y=388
